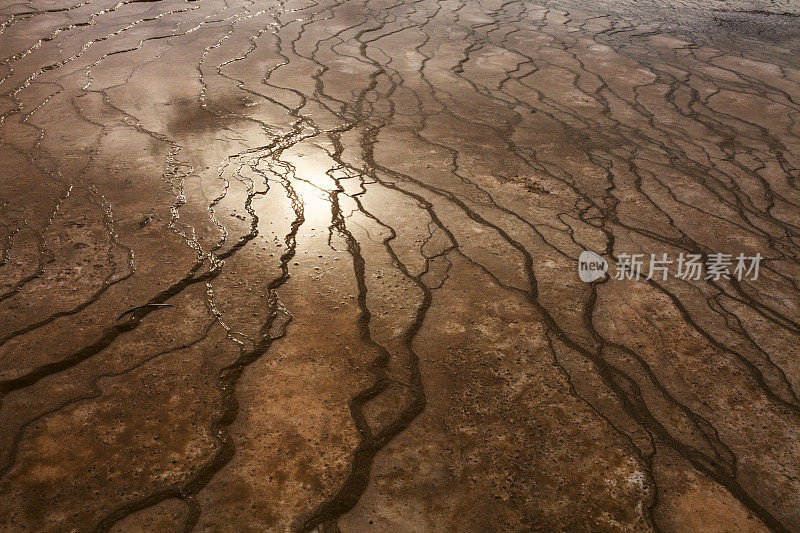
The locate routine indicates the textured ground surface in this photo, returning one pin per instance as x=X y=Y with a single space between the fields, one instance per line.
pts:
x=347 y=234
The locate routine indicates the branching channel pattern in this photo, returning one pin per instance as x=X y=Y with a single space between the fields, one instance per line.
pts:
x=311 y=265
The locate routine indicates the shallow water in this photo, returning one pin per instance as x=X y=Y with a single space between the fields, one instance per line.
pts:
x=315 y=265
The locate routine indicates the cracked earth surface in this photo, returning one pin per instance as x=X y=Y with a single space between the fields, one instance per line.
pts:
x=311 y=265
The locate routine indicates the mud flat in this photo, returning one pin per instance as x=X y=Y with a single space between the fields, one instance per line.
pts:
x=313 y=265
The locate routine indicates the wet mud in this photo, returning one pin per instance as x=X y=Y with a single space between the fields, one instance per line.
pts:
x=312 y=265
